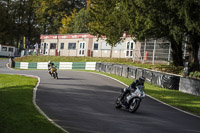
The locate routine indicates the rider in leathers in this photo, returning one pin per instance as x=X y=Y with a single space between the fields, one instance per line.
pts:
x=50 y=65
x=133 y=86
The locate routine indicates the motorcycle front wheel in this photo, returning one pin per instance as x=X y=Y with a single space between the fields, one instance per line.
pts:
x=118 y=103
x=134 y=106
x=56 y=75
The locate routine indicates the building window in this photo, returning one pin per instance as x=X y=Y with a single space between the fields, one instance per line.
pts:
x=10 y=49
x=130 y=46
x=62 y=46
x=95 y=46
x=71 y=46
x=52 y=45
x=4 y=49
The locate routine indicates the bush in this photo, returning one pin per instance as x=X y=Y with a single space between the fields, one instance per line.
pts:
x=195 y=74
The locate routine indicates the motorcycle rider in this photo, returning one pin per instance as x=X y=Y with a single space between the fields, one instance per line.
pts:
x=133 y=86
x=50 y=65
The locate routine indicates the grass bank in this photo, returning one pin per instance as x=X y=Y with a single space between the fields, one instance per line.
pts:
x=17 y=112
x=2 y=58
x=183 y=101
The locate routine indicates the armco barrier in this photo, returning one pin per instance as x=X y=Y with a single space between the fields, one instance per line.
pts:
x=132 y=72
x=78 y=65
x=112 y=69
x=103 y=67
x=98 y=66
x=118 y=70
x=125 y=71
x=161 y=79
x=191 y=86
x=32 y=65
x=42 y=65
x=148 y=75
x=90 y=65
x=157 y=78
x=24 y=65
x=169 y=81
x=65 y=65
x=17 y=65
x=59 y=65
x=109 y=67
x=139 y=73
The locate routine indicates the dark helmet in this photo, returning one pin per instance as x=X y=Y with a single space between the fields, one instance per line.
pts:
x=141 y=79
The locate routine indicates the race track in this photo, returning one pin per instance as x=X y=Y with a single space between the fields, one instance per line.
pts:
x=82 y=102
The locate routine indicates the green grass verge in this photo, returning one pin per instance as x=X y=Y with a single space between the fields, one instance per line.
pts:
x=183 y=101
x=17 y=112
x=2 y=58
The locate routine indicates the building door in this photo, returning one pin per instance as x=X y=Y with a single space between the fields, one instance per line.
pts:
x=130 y=47
x=46 y=48
x=81 y=48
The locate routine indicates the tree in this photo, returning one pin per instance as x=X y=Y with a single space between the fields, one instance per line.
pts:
x=156 y=19
x=171 y=19
x=18 y=20
x=189 y=12
x=68 y=23
x=76 y=23
x=107 y=18
x=50 y=13
x=30 y=18
x=6 y=25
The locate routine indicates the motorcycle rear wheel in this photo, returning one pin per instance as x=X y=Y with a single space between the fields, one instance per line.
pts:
x=134 y=106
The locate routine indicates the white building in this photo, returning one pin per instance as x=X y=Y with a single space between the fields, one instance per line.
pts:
x=6 y=50
x=87 y=45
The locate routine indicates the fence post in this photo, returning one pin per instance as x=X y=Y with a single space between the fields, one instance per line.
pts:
x=145 y=44
x=154 y=50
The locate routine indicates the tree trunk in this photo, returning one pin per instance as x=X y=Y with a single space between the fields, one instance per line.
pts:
x=111 y=50
x=193 y=52
x=177 y=53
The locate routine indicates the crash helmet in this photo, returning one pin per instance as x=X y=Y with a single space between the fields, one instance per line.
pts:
x=141 y=79
x=49 y=61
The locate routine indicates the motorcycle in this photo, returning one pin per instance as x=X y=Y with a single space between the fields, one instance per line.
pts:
x=132 y=100
x=53 y=72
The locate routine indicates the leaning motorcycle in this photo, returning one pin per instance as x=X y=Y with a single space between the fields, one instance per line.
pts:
x=54 y=73
x=132 y=100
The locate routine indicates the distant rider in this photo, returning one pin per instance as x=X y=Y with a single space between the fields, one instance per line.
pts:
x=133 y=86
x=50 y=65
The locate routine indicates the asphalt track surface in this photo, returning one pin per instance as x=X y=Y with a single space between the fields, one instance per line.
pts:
x=82 y=102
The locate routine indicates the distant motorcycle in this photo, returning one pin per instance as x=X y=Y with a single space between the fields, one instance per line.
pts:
x=53 y=72
x=131 y=101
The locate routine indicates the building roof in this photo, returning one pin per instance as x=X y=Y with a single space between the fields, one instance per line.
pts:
x=67 y=36
x=7 y=45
